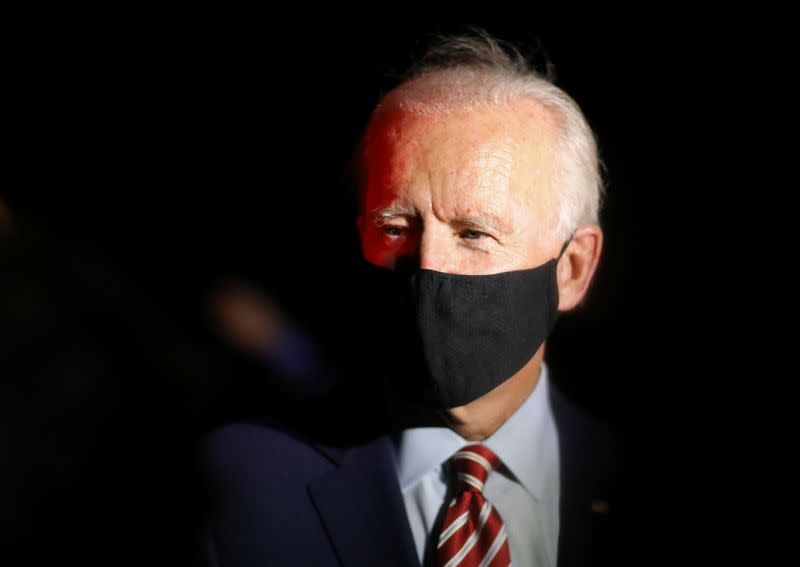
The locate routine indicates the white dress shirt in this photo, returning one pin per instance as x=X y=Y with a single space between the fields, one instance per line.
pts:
x=524 y=488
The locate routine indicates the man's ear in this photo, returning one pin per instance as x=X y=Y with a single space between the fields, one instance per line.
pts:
x=577 y=266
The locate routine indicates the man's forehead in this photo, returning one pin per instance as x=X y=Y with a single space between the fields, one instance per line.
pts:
x=474 y=154
x=481 y=139
x=523 y=119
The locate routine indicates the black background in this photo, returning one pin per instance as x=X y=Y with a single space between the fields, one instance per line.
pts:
x=148 y=165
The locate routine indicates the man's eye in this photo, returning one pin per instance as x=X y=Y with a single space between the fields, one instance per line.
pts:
x=471 y=234
x=392 y=230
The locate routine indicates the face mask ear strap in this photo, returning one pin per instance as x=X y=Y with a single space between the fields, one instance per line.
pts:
x=564 y=248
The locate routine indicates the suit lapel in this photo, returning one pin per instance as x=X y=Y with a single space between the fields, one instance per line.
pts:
x=577 y=480
x=362 y=508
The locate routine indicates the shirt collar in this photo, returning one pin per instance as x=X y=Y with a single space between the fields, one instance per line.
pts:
x=525 y=443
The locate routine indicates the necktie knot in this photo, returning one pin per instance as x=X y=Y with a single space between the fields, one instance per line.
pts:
x=472 y=466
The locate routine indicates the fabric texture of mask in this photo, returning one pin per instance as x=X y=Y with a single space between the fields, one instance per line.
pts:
x=451 y=338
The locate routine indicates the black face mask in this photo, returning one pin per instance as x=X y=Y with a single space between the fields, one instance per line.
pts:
x=450 y=338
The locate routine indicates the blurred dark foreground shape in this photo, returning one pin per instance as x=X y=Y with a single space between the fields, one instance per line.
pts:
x=99 y=396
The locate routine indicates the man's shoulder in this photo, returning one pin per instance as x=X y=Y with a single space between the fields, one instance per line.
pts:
x=580 y=425
x=301 y=442
x=589 y=442
x=263 y=448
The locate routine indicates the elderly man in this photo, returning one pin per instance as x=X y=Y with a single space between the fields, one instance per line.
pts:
x=480 y=192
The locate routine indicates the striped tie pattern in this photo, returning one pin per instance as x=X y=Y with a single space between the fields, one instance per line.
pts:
x=473 y=534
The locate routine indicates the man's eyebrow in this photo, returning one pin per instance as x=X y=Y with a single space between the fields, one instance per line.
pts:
x=380 y=216
x=483 y=220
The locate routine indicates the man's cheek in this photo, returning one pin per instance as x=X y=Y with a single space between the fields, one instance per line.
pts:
x=374 y=250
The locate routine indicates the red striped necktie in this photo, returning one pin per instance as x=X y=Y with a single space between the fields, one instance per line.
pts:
x=473 y=534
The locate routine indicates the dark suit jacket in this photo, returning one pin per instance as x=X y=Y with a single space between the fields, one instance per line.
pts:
x=279 y=500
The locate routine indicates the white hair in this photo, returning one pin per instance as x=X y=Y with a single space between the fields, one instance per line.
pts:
x=463 y=72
